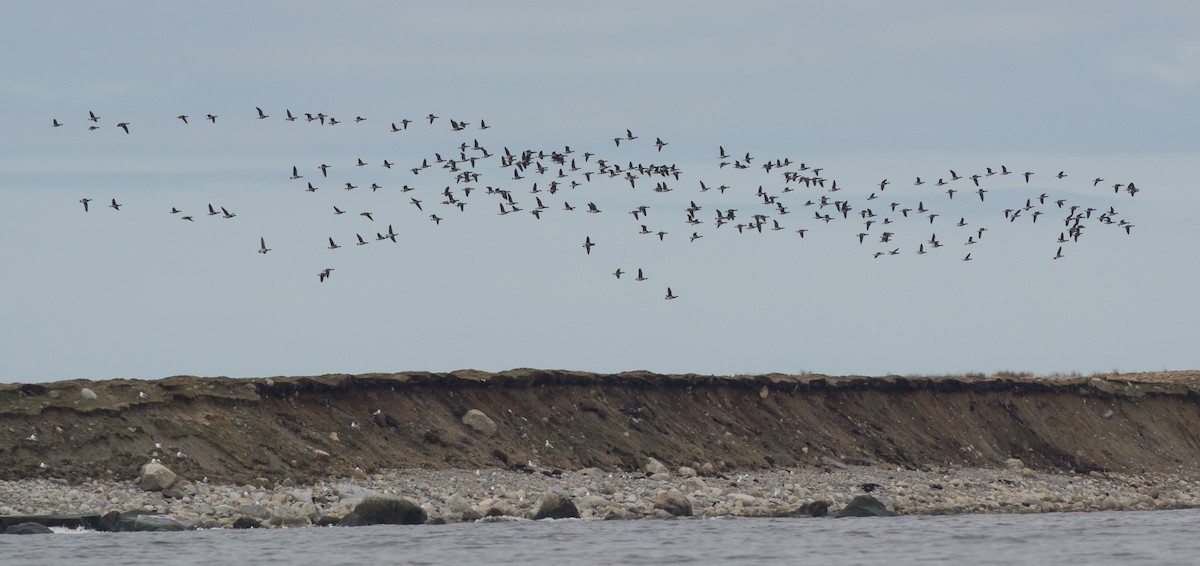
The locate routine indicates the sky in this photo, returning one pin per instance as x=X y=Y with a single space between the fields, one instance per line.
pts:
x=865 y=91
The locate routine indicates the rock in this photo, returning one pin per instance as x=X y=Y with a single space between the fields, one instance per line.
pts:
x=244 y=522
x=865 y=506
x=592 y=472
x=707 y=469
x=479 y=422
x=87 y=394
x=833 y=463
x=384 y=420
x=674 y=503
x=686 y=472
x=810 y=509
x=154 y=523
x=176 y=491
x=321 y=454
x=28 y=528
x=256 y=511
x=653 y=466
x=694 y=484
x=764 y=392
x=291 y=521
x=556 y=506
x=156 y=477
x=389 y=511
x=1014 y=464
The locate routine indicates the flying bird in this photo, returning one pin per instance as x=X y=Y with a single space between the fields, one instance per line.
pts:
x=262 y=246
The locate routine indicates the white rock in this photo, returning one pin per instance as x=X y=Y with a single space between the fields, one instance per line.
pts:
x=480 y=422
x=156 y=477
x=653 y=466
x=87 y=394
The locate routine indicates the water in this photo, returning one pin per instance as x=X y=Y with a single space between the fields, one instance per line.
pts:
x=1162 y=537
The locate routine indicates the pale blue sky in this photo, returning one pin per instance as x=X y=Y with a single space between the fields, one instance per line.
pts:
x=865 y=90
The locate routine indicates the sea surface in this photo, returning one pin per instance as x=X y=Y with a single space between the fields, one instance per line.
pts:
x=1161 y=537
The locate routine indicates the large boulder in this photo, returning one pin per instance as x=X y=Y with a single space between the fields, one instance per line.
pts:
x=674 y=503
x=480 y=422
x=28 y=528
x=389 y=511
x=156 y=477
x=865 y=506
x=140 y=521
x=556 y=506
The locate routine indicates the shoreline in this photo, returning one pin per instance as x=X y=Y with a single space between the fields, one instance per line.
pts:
x=449 y=496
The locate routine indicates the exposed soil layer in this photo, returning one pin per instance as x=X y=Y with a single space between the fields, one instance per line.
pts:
x=242 y=430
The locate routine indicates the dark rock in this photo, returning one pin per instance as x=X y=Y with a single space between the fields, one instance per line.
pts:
x=385 y=420
x=870 y=487
x=436 y=521
x=493 y=512
x=244 y=522
x=810 y=509
x=28 y=528
x=471 y=515
x=556 y=506
x=865 y=506
x=93 y=522
x=390 y=511
x=351 y=520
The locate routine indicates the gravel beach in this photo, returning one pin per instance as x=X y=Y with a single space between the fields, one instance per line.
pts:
x=458 y=495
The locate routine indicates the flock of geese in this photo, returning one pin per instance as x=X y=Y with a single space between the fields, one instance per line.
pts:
x=525 y=180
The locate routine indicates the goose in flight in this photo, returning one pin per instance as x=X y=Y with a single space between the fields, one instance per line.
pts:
x=226 y=213
x=290 y=118
x=332 y=245
x=659 y=143
x=640 y=277
x=261 y=115
x=368 y=215
x=361 y=241
x=337 y=211
x=324 y=169
x=114 y=205
x=212 y=118
x=124 y=126
x=618 y=273
x=55 y=123
x=416 y=203
x=212 y=211
x=262 y=246
x=1059 y=254
x=435 y=219
x=324 y=274
x=85 y=202
x=670 y=295
x=183 y=117
x=587 y=245
x=295 y=173
x=92 y=117
x=431 y=117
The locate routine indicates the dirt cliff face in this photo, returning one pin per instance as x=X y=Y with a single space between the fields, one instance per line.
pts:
x=241 y=430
